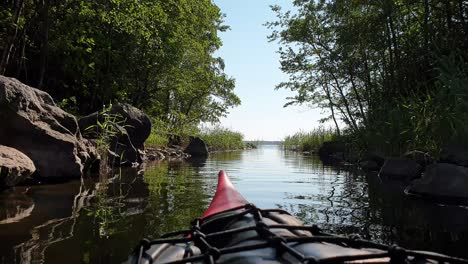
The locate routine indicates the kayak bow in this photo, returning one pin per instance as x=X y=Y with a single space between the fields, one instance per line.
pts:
x=233 y=231
x=226 y=197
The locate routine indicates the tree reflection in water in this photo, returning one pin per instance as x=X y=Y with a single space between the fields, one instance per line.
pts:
x=101 y=220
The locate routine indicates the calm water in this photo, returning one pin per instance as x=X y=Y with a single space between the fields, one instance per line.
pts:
x=101 y=220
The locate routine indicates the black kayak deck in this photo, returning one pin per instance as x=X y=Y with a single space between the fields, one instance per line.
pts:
x=250 y=235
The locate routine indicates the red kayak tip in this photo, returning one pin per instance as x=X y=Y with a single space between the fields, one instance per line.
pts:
x=225 y=198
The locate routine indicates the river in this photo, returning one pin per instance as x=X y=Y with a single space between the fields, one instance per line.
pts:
x=100 y=220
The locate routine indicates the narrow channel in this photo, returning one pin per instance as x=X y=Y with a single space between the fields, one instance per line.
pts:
x=101 y=220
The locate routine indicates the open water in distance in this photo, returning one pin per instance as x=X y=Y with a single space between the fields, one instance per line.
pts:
x=101 y=220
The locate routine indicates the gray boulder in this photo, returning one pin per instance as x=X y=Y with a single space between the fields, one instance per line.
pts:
x=376 y=157
x=197 y=147
x=49 y=136
x=455 y=153
x=421 y=157
x=15 y=167
x=132 y=126
x=442 y=180
x=136 y=123
x=400 y=169
x=372 y=161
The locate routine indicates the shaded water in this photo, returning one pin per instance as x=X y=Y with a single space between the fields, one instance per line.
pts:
x=101 y=220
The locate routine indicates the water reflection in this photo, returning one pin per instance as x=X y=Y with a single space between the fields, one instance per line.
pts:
x=417 y=223
x=15 y=205
x=55 y=208
x=101 y=220
x=52 y=231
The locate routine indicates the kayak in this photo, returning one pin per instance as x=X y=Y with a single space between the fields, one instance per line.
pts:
x=234 y=231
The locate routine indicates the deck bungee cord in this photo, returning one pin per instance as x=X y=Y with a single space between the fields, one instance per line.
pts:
x=236 y=231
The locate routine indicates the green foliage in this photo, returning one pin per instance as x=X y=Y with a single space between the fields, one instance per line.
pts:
x=219 y=138
x=159 y=134
x=253 y=144
x=156 y=140
x=393 y=72
x=108 y=127
x=308 y=141
x=69 y=105
x=156 y=55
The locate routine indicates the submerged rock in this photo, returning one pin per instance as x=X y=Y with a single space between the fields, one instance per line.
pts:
x=442 y=180
x=49 y=136
x=15 y=167
x=197 y=147
x=400 y=169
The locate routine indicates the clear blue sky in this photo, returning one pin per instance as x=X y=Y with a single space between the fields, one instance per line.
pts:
x=254 y=63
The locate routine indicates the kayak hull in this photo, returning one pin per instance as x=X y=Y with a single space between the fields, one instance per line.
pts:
x=234 y=231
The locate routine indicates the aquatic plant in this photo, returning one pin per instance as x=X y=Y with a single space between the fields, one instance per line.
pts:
x=107 y=129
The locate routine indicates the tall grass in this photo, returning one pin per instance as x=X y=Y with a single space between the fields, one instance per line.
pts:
x=156 y=139
x=107 y=129
x=308 y=141
x=219 y=138
x=423 y=122
x=159 y=134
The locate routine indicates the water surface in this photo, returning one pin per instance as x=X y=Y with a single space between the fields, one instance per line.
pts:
x=101 y=220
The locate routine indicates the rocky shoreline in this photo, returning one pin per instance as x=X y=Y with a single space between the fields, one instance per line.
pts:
x=41 y=142
x=443 y=180
x=162 y=153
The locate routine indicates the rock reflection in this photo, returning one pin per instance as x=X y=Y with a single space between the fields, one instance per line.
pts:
x=15 y=205
x=379 y=210
x=100 y=221
x=416 y=223
x=52 y=231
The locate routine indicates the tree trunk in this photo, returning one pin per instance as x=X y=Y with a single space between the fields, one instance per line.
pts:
x=358 y=97
x=330 y=104
x=44 y=42
x=426 y=26
x=345 y=102
x=19 y=4
x=462 y=14
x=448 y=13
x=391 y=63
x=368 y=82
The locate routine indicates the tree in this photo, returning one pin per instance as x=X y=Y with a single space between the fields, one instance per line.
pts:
x=369 y=63
x=156 y=55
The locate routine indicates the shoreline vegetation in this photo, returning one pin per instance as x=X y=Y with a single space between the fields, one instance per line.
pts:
x=159 y=57
x=220 y=139
x=217 y=139
x=392 y=77
x=308 y=141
